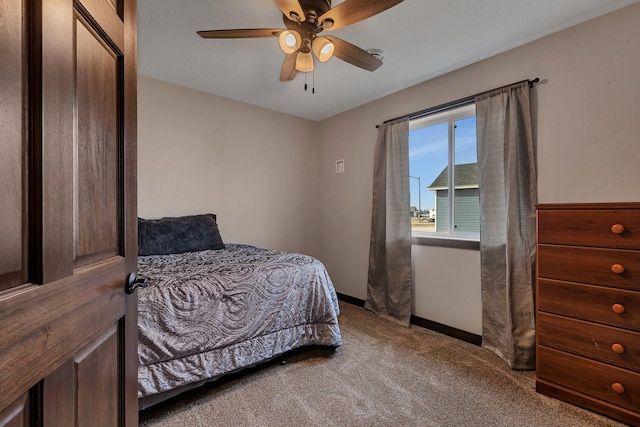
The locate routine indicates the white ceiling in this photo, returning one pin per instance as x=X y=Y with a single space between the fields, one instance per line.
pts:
x=421 y=39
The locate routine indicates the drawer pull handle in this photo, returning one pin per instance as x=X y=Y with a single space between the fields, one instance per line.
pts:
x=617 y=387
x=618 y=308
x=617 y=228
x=617 y=348
x=617 y=268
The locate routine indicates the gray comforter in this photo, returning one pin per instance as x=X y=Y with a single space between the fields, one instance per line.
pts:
x=213 y=312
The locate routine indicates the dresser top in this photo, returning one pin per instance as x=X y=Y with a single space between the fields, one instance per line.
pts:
x=567 y=206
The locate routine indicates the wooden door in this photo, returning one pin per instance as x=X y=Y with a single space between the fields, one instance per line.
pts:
x=68 y=332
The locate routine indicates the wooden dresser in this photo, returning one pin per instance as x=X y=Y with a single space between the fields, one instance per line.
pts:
x=588 y=306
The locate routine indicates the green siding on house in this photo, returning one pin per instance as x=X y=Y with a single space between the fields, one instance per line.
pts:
x=442 y=211
x=467 y=210
x=467 y=205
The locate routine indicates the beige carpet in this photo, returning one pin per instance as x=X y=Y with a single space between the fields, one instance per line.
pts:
x=383 y=375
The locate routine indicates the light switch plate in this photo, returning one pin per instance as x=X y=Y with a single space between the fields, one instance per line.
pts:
x=340 y=166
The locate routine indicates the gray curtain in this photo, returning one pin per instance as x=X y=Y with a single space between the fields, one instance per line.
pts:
x=389 y=287
x=508 y=194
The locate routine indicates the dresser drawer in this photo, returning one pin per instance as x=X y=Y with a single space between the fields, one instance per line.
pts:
x=589 y=302
x=606 y=344
x=590 y=265
x=590 y=227
x=589 y=377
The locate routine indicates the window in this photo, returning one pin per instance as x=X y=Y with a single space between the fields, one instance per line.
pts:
x=443 y=169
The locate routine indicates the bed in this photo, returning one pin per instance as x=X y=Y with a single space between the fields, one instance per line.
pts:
x=211 y=308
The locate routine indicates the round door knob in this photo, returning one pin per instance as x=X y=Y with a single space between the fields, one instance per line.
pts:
x=618 y=308
x=617 y=387
x=617 y=348
x=617 y=228
x=617 y=268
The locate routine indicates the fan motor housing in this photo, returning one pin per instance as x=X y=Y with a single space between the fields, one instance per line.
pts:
x=319 y=6
x=308 y=28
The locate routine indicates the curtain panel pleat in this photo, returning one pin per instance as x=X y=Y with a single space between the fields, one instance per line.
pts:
x=508 y=194
x=389 y=287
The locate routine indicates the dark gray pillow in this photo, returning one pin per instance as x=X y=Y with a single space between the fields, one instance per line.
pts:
x=174 y=235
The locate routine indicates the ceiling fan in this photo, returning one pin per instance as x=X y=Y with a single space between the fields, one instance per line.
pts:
x=304 y=21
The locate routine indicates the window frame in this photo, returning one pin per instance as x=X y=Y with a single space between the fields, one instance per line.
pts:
x=451 y=239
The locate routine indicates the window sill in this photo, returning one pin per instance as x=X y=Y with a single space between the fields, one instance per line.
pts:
x=446 y=241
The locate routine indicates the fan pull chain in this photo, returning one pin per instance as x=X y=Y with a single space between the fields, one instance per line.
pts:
x=305 y=74
x=313 y=78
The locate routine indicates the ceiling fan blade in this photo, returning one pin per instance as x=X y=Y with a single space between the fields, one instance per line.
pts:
x=289 y=71
x=353 y=54
x=240 y=34
x=288 y=6
x=352 y=11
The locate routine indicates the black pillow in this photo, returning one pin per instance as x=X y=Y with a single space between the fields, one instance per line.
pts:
x=171 y=235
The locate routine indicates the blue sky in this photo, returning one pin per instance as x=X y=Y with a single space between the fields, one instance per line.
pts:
x=428 y=149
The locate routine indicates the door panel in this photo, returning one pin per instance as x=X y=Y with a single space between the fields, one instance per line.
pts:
x=58 y=410
x=98 y=373
x=68 y=330
x=96 y=153
x=13 y=270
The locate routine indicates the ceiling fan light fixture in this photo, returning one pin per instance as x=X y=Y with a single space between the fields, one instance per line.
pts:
x=323 y=49
x=304 y=62
x=289 y=41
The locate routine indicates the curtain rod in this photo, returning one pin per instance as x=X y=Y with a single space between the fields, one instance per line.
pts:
x=458 y=103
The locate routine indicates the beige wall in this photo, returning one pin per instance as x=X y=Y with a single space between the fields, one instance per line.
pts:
x=255 y=168
x=588 y=151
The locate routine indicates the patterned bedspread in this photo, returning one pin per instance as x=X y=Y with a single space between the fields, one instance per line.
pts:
x=208 y=313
